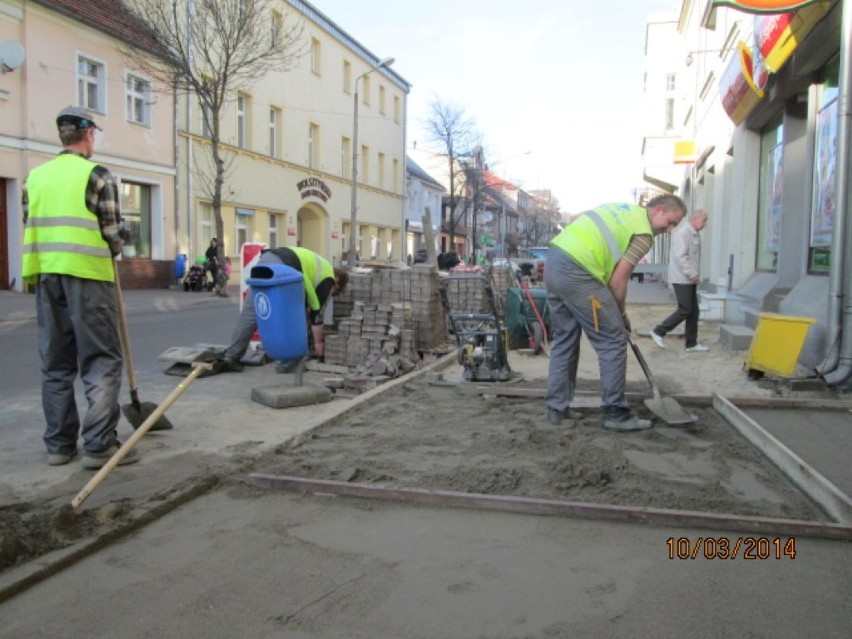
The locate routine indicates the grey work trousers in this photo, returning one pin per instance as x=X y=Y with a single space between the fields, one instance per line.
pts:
x=247 y=321
x=78 y=331
x=569 y=289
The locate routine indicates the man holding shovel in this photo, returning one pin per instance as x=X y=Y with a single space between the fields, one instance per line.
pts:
x=586 y=276
x=72 y=231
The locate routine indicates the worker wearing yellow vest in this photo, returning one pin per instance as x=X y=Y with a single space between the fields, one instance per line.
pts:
x=322 y=281
x=72 y=230
x=588 y=269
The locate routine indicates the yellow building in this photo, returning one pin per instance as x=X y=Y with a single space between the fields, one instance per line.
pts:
x=289 y=142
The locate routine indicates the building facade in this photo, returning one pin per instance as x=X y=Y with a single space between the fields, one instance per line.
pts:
x=70 y=55
x=289 y=140
x=423 y=197
x=758 y=148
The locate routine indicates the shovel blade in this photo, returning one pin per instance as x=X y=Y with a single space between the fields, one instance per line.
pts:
x=137 y=415
x=669 y=410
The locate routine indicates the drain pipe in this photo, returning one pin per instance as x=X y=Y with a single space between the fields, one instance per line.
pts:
x=840 y=326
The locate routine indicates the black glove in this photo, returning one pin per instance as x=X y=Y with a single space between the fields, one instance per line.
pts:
x=627 y=326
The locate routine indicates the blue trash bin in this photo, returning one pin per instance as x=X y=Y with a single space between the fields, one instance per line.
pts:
x=278 y=295
x=180 y=266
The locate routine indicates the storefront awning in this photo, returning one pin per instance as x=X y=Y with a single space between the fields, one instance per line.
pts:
x=660 y=184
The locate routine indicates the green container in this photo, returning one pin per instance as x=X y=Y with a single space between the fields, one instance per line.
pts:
x=520 y=314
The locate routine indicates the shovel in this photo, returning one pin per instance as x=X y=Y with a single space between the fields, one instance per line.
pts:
x=136 y=412
x=666 y=408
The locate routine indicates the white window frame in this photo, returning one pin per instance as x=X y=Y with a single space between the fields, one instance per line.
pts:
x=347 y=77
x=205 y=226
x=275 y=132
x=85 y=81
x=346 y=157
x=242 y=120
x=313 y=145
x=316 y=56
x=134 y=98
x=241 y=227
x=272 y=230
x=381 y=169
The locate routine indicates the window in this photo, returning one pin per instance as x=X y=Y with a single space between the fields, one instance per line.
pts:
x=313 y=145
x=346 y=157
x=206 y=226
x=316 y=56
x=771 y=194
x=242 y=218
x=243 y=124
x=669 y=114
x=365 y=97
x=277 y=24
x=824 y=205
x=365 y=164
x=381 y=169
x=138 y=100
x=382 y=99
x=91 y=84
x=136 y=211
x=206 y=119
x=274 y=132
x=272 y=239
x=397 y=109
x=671 y=82
x=395 y=176
x=347 y=77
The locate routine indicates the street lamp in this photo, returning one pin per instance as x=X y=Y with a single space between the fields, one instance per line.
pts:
x=350 y=261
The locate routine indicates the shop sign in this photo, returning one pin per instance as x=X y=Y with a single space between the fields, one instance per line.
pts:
x=741 y=87
x=291 y=230
x=765 y=6
x=314 y=187
x=778 y=35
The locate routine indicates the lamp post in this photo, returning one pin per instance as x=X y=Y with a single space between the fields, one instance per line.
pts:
x=350 y=261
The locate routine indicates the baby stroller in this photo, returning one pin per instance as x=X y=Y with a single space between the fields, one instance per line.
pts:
x=196 y=279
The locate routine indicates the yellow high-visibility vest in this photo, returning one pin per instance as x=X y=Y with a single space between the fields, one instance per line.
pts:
x=592 y=247
x=62 y=235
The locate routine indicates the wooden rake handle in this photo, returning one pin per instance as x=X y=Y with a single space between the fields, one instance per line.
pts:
x=125 y=448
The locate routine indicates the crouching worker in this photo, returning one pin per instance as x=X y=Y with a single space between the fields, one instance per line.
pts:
x=322 y=281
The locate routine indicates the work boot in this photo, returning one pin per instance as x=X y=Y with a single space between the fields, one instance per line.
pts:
x=60 y=459
x=621 y=419
x=95 y=461
x=231 y=366
x=555 y=417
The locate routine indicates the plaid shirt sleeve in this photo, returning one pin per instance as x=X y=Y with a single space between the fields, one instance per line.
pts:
x=102 y=200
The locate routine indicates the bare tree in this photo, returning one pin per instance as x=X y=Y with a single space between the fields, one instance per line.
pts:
x=452 y=134
x=210 y=49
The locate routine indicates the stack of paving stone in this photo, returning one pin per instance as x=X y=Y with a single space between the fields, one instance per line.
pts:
x=393 y=312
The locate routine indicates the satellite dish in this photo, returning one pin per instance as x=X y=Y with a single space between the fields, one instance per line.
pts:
x=11 y=55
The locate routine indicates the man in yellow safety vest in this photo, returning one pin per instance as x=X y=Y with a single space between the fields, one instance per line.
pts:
x=72 y=231
x=587 y=272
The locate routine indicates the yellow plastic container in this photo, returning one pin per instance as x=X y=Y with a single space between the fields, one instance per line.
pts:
x=777 y=343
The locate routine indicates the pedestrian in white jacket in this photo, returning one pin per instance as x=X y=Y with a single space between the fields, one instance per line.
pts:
x=684 y=263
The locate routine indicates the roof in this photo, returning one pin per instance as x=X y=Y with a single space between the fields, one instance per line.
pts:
x=109 y=16
x=412 y=167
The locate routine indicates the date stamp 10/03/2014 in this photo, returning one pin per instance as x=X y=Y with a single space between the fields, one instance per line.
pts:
x=748 y=548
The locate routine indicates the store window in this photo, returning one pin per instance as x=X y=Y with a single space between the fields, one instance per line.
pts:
x=242 y=221
x=136 y=211
x=823 y=207
x=771 y=194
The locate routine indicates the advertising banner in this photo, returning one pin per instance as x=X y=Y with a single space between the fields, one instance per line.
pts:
x=764 y=6
x=778 y=35
x=741 y=86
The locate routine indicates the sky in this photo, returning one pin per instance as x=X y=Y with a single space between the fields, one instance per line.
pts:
x=554 y=86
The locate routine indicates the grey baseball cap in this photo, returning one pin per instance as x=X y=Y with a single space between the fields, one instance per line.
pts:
x=72 y=117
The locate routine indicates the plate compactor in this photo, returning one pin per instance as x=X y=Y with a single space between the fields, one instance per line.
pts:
x=481 y=336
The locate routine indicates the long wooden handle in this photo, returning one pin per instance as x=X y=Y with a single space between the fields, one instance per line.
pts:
x=125 y=448
x=125 y=336
x=645 y=369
